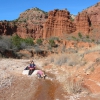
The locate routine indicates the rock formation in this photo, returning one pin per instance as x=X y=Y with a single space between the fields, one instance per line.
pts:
x=88 y=21
x=30 y=23
x=58 y=24
x=82 y=22
x=7 y=28
x=36 y=23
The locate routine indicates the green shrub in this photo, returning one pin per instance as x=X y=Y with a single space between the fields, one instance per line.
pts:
x=80 y=35
x=29 y=41
x=87 y=36
x=39 y=41
x=21 y=43
x=52 y=43
x=16 y=40
x=74 y=38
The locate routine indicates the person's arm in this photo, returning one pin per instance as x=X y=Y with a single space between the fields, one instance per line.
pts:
x=29 y=65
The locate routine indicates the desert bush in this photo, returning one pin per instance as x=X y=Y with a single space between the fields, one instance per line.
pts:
x=86 y=40
x=80 y=35
x=37 y=49
x=74 y=38
x=28 y=41
x=87 y=36
x=66 y=59
x=20 y=43
x=14 y=43
x=98 y=42
x=39 y=41
x=58 y=59
x=63 y=48
x=52 y=43
x=5 y=43
x=73 y=87
x=16 y=40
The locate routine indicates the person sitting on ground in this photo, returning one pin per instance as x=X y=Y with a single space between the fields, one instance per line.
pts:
x=31 y=67
x=41 y=74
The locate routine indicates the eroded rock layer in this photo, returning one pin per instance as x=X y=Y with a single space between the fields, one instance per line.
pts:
x=58 y=24
x=36 y=23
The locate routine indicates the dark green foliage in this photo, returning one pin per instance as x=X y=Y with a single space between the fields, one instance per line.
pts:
x=74 y=38
x=21 y=43
x=87 y=36
x=93 y=40
x=16 y=40
x=80 y=35
x=52 y=43
x=29 y=41
x=5 y=43
x=39 y=41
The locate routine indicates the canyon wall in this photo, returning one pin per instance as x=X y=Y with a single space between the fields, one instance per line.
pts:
x=36 y=23
x=58 y=23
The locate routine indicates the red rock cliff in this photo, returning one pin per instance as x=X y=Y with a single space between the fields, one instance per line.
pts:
x=58 y=24
x=82 y=23
x=7 y=28
x=37 y=23
x=30 y=23
x=88 y=21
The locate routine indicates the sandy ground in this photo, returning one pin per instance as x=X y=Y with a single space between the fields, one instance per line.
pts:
x=15 y=86
x=22 y=87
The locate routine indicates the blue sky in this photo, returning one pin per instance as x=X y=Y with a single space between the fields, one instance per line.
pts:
x=11 y=9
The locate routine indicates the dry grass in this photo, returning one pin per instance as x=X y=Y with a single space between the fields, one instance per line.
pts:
x=93 y=49
x=73 y=87
x=5 y=79
x=68 y=59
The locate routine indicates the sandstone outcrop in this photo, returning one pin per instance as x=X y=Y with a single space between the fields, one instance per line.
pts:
x=29 y=30
x=88 y=21
x=7 y=28
x=58 y=24
x=36 y=23
x=30 y=23
x=82 y=23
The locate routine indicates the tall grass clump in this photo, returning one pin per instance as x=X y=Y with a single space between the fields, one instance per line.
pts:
x=73 y=87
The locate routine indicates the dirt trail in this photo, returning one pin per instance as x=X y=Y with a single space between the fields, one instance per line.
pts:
x=31 y=88
x=46 y=90
x=49 y=89
x=22 y=88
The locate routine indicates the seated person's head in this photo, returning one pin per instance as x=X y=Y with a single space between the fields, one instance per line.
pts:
x=31 y=61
